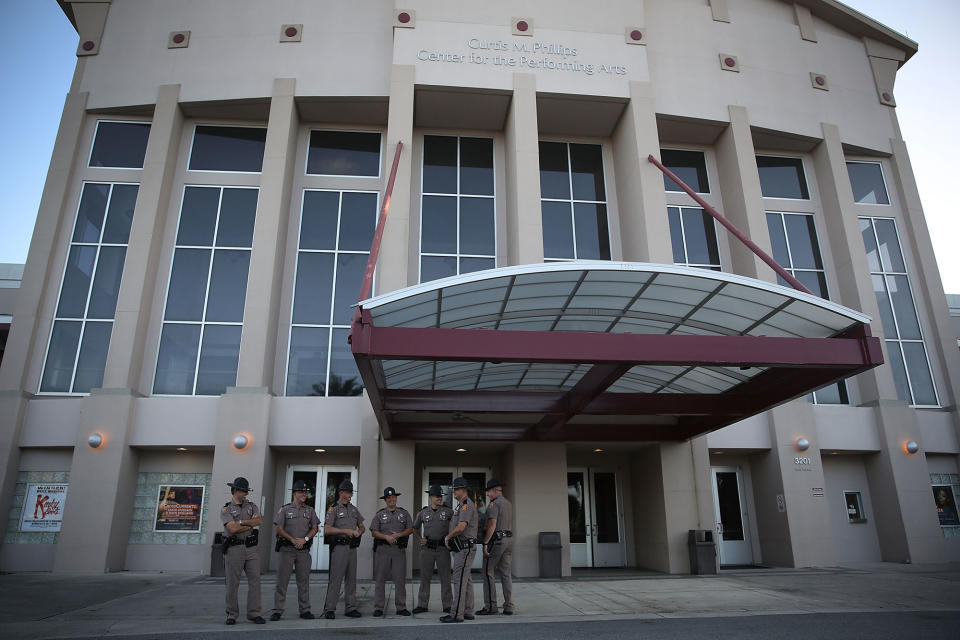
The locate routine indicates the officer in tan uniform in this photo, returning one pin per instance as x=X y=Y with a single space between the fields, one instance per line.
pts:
x=343 y=527
x=461 y=540
x=391 y=529
x=435 y=520
x=239 y=517
x=497 y=551
x=297 y=525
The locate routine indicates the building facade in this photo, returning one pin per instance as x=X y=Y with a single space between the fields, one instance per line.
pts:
x=210 y=209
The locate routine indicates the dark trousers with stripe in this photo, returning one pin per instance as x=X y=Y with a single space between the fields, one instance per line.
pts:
x=462 y=583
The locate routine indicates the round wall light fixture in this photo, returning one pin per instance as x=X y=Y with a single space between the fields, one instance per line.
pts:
x=912 y=447
x=95 y=441
x=802 y=444
x=240 y=442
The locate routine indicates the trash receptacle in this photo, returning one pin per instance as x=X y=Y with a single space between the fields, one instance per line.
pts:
x=550 y=563
x=216 y=556
x=703 y=552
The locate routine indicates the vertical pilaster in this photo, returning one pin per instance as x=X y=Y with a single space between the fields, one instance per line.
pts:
x=640 y=194
x=742 y=197
x=524 y=221
x=132 y=317
x=264 y=282
x=398 y=259
x=680 y=501
x=397 y=470
x=366 y=495
x=539 y=485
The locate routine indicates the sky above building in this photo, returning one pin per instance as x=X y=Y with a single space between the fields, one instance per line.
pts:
x=38 y=48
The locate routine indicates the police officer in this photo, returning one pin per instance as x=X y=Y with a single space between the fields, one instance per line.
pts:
x=435 y=520
x=343 y=527
x=297 y=525
x=239 y=517
x=497 y=551
x=391 y=529
x=461 y=540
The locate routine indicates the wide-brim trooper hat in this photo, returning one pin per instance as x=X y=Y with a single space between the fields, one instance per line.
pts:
x=493 y=483
x=435 y=490
x=346 y=485
x=389 y=491
x=240 y=484
x=459 y=483
x=300 y=485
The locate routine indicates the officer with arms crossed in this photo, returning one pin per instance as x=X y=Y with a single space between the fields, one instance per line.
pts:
x=435 y=520
x=343 y=527
x=391 y=529
x=297 y=525
x=497 y=551
x=239 y=517
x=461 y=540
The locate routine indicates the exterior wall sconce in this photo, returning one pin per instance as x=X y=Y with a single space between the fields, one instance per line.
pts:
x=802 y=444
x=95 y=441
x=911 y=447
x=240 y=442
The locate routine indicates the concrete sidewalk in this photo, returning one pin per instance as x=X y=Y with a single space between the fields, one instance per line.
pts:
x=53 y=606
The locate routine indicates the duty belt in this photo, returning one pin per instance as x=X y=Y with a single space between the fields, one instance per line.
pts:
x=283 y=542
x=461 y=543
x=401 y=542
x=433 y=544
x=341 y=539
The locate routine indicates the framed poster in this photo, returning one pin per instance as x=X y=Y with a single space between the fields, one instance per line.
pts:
x=946 y=505
x=179 y=508
x=43 y=507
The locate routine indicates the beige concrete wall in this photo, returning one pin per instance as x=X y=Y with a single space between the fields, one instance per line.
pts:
x=539 y=486
x=524 y=223
x=855 y=541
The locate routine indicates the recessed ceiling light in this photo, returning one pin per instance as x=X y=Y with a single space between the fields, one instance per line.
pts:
x=181 y=448
x=719 y=453
x=319 y=450
x=461 y=450
x=598 y=450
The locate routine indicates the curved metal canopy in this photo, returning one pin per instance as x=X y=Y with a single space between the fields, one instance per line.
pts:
x=597 y=350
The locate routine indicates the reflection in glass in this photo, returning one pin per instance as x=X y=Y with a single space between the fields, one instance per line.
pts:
x=120 y=145
x=188 y=284
x=782 y=178
x=593 y=238
x=576 y=507
x=436 y=267
x=890 y=254
x=93 y=205
x=228 y=286
x=476 y=166
x=314 y=274
x=177 y=358
x=318 y=221
x=106 y=284
x=358 y=221
x=61 y=355
x=219 y=357
x=689 y=166
x=866 y=178
x=238 y=209
x=803 y=242
x=123 y=200
x=605 y=506
x=307 y=368
x=76 y=282
x=439 y=164
x=554 y=171
x=344 y=375
x=469 y=265
x=477 y=226
x=198 y=216
x=344 y=153
x=728 y=496
x=350 y=270
x=920 y=381
x=228 y=149
x=439 y=224
x=908 y=327
x=586 y=172
x=557 y=230
x=93 y=356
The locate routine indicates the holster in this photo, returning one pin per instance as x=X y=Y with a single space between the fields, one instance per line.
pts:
x=460 y=543
x=253 y=539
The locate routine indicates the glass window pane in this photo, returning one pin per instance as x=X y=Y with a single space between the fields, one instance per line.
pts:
x=899 y=372
x=782 y=178
x=93 y=204
x=476 y=166
x=689 y=166
x=469 y=265
x=903 y=308
x=93 y=356
x=586 y=162
x=228 y=286
x=344 y=153
x=228 y=149
x=803 y=242
x=557 y=230
x=438 y=224
x=593 y=238
x=920 y=381
x=307 y=369
x=344 y=375
x=311 y=302
x=883 y=302
x=554 y=172
x=701 y=238
x=120 y=144
x=238 y=209
x=198 y=216
x=813 y=280
x=892 y=258
x=106 y=284
x=61 y=356
x=219 y=356
x=439 y=164
x=832 y=394
x=350 y=269
x=188 y=284
x=358 y=221
x=870 y=244
x=318 y=225
x=434 y=268
x=477 y=234
x=177 y=359
x=76 y=282
x=676 y=235
x=866 y=178
x=778 y=241
x=122 y=202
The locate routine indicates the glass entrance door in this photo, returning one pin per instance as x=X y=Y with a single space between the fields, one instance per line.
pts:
x=323 y=482
x=731 y=517
x=476 y=478
x=595 y=518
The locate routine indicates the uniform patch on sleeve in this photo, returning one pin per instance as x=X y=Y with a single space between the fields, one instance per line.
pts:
x=224 y=510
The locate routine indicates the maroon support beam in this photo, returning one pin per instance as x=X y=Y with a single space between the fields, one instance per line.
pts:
x=740 y=235
x=592 y=384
